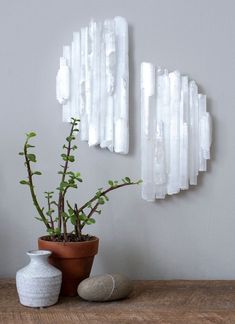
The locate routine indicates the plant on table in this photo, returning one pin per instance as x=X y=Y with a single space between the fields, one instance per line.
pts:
x=59 y=212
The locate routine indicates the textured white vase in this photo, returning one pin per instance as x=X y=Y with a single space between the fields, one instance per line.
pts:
x=38 y=284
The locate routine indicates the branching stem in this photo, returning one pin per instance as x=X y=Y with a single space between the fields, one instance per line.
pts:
x=31 y=186
x=61 y=219
x=103 y=193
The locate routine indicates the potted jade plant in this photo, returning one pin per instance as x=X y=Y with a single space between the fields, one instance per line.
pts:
x=72 y=251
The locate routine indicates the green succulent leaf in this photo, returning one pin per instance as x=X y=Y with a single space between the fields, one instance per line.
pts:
x=101 y=201
x=24 y=182
x=37 y=173
x=110 y=183
x=71 y=158
x=71 y=212
x=57 y=231
x=39 y=219
x=32 y=157
x=64 y=215
x=21 y=153
x=50 y=231
x=82 y=217
x=74 y=120
x=31 y=134
x=71 y=181
x=73 y=186
x=128 y=180
x=106 y=197
x=90 y=221
x=73 y=219
x=98 y=193
x=64 y=184
x=70 y=138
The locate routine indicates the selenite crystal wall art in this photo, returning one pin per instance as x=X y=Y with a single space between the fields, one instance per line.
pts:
x=175 y=132
x=92 y=84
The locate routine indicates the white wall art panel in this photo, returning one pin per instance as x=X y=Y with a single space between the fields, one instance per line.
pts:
x=92 y=84
x=176 y=132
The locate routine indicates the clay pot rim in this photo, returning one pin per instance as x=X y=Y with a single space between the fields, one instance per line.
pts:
x=92 y=240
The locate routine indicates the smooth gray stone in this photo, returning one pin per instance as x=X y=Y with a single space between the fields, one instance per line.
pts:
x=105 y=287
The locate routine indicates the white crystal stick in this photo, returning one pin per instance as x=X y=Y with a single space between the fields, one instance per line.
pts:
x=194 y=133
x=147 y=130
x=103 y=97
x=121 y=113
x=75 y=75
x=164 y=100
x=206 y=131
x=184 y=113
x=175 y=92
x=184 y=150
x=110 y=65
x=83 y=88
x=94 y=121
x=67 y=104
x=161 y=133
x=63 y=82
x=159 y=162
x=202 y=133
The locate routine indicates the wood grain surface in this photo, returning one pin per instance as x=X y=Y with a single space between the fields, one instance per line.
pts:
x=151 y=302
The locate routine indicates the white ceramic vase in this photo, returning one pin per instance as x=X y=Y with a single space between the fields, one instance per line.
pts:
x=38 y=284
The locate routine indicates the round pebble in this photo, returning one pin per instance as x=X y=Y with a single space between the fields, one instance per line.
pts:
x=105 y=287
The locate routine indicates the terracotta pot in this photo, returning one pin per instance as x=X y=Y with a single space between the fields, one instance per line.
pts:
x=74 y=259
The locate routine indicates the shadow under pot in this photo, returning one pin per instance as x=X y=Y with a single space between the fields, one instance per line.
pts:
x=73 y=259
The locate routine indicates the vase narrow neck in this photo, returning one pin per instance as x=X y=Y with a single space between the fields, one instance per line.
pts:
x=38 y=256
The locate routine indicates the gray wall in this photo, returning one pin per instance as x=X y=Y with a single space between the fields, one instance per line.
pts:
x=191 y=235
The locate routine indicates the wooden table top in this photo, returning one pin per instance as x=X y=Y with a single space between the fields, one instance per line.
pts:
x=173 y=301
